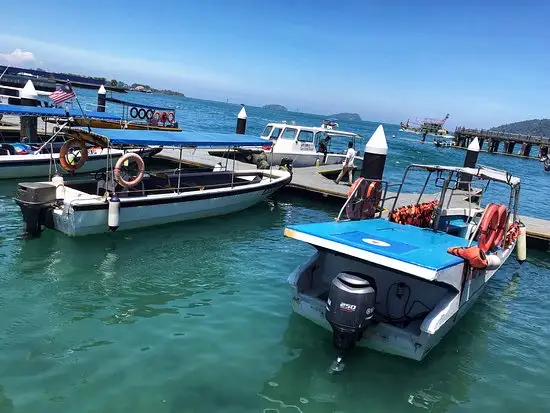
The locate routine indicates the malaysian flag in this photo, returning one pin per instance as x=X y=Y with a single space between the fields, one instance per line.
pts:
x=62 y=93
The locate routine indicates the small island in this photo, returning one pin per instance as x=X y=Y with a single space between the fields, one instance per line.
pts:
x=345 y=116
x=533 y=127
x=275 y=107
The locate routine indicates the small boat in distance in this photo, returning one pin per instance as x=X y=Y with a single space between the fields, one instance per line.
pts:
x=398 y=284
x=124 y=198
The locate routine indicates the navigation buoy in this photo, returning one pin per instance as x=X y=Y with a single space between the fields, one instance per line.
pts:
x=376 y=151
x=113 y=219
x=57 y=180
x=101 y=98
x=521 y=245
x=241 y=121
x=28 y=124
x=470 y=161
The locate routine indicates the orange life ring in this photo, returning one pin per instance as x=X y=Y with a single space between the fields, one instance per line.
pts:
x=141 y=169
x=156 y=116
x=488 y=228
x=171 y=117
x=67 y=164
x=502 y=218
x=163 y=117
x=366 y=199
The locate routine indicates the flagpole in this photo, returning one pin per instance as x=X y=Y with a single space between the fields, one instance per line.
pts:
x=77 y=101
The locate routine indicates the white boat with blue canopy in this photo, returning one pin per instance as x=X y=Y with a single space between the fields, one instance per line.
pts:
x=36 y=159
x=124 y=196
x=397 y=284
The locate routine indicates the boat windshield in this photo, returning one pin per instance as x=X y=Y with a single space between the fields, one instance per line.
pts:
x=267 y=131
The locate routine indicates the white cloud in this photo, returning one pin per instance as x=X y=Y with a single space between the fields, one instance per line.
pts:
x=18 y=57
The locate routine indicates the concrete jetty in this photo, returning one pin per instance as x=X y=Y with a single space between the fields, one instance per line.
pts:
x=510 y=141
x=315 y=181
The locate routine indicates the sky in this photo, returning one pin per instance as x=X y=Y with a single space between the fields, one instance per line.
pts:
x=484 y=62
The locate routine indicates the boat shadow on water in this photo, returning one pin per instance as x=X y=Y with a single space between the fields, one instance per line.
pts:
x=380 y=381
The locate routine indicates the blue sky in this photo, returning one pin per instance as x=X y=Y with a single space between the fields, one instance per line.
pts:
x=484 y=62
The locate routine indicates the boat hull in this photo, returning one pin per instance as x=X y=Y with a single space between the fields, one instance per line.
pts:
x=387 y=338
x=106 y=124
x=80 y=219
x=28 y=166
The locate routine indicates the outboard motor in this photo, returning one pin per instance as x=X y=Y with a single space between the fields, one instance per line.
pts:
x=350 y=310
x=36 y=200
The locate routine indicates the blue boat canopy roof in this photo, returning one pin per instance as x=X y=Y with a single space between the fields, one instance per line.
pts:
x=40 y=111
x=111 y=137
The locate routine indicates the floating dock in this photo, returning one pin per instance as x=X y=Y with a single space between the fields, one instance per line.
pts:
x=318 y=181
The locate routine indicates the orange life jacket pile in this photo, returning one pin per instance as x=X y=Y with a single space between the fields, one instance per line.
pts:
x=474 y=255
x=420 y=215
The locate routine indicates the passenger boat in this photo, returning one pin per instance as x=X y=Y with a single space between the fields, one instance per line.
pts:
x=25 y=160
x=305 y=145
x=135 y=116
x=398 y=284
x=122 y=198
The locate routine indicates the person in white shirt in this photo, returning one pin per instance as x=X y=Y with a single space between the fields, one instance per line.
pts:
x=347 y=165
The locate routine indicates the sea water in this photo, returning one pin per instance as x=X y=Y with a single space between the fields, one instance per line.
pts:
x=196 y=316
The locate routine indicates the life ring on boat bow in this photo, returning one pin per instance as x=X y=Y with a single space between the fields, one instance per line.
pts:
x=488 y=228
x=156 y=117
x=502 y=218
x=141 y=169
x=68 y=163
x=171 y=117
x=134 y=112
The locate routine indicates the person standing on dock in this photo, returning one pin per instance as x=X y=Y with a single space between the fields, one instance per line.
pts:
x=347 y=165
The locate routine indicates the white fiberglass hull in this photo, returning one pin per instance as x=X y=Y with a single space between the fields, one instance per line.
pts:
x=389 y=339
x=28 y=166
x=83 y=218
x=306 y=160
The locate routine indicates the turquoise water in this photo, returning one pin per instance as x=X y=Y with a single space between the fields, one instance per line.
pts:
x=196 y=317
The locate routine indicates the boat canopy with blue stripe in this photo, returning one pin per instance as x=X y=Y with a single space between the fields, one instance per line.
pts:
x=59 y=112
x=128 y=137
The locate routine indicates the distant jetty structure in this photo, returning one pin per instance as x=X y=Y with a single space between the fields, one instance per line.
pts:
x=492 y=141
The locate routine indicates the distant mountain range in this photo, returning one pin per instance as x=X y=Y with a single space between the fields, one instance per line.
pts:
x=534 y=127
x=345 y=116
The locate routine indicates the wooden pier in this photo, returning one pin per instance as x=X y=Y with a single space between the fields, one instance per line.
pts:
x=463 y=137
x=317 y=181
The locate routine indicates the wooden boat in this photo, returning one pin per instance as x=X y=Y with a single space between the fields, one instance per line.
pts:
x=122 y=124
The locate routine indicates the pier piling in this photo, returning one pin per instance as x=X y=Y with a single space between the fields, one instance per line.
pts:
x=470 y=161
x=101 y=97
x=374 y=158
x=241 y=121
x=29 y=124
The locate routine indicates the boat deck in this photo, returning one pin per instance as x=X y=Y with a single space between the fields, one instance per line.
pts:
x=379 y=239
x=312 y=181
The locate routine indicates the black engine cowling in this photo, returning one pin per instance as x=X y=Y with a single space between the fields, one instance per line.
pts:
x=350 y=308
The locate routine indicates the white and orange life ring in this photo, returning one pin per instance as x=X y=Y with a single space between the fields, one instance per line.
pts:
x=141 y=169
x=69 y=164
x=171 y=117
